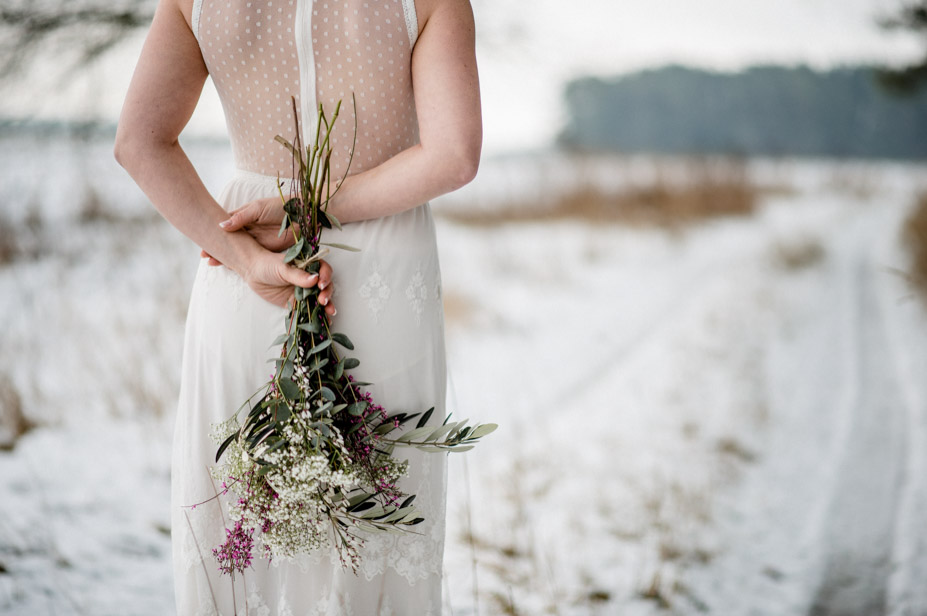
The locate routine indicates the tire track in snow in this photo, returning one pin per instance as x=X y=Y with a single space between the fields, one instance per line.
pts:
x=704 y=280
x=907 y=589
x=859 y=527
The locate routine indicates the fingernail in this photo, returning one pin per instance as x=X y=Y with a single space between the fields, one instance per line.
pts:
x=225 y=223
x=334 y=312
x=322 y=285
x=324 y=301
x=312 y=278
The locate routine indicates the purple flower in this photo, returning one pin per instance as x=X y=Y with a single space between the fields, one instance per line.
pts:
x=235 y=552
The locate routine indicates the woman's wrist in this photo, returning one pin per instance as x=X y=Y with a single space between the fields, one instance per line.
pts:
x=246 y=253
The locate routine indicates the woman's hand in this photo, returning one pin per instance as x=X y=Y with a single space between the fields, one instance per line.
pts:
x=273 y=280
x=261 y=218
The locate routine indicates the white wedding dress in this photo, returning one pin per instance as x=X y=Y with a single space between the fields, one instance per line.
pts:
x=259 y=54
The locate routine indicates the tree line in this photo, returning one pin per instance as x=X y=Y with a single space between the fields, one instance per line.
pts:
x=766 y=110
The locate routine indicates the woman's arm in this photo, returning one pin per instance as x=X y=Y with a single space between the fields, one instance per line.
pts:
x=447 y=100
x=162 y=95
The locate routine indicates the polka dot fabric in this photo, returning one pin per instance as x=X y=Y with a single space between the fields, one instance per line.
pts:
x=364 y=48
x=257 y=62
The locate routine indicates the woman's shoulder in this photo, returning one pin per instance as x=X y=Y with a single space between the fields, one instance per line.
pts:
x=424 y=9
x=184 y=6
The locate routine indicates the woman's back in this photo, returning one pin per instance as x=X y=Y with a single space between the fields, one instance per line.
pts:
x=262 y=53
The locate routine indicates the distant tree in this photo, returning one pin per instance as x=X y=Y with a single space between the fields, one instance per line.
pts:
x=84 y=29
x=911 y=17
x=763 y=110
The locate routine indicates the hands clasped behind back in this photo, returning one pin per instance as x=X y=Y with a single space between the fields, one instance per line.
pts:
x=268 y=275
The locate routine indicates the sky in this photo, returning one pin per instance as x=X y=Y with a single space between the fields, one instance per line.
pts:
x=526 y=55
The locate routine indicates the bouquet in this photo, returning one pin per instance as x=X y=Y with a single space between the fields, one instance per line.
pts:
x=310 y=464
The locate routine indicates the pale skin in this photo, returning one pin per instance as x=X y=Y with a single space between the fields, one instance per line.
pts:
x=168 y=81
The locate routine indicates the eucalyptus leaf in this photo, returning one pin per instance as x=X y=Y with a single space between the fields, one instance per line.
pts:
x=294 y=250
x=282 y=412
x=341 y=246
x=425 y=417
x=331 y=218
x=415 y=435
x=374 y=512
x=228 y=441
x=440 y=432
x=318 y=364
x=321 y=346
x=343 y=340
x=312 y=327
x=286 y=372
x=357 y=408
x=362 y=506
x=482 y=430
x=359 y=498
x=453 y=433
x=289 y=389
x=399 y=514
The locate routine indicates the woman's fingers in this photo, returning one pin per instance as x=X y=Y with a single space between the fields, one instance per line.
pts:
x=296 y=276
x=212 y=260
x=325 y=274
x=240 y=218
x=325 y=288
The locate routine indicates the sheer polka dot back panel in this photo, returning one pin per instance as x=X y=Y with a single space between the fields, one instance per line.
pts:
x=262 y=53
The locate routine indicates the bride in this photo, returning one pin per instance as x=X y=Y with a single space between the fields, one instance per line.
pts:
x=410 y=64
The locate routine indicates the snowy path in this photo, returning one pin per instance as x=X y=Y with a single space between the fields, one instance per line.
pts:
x=862 y=510
x=830 y=521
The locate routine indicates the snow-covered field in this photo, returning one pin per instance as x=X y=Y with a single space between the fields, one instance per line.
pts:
x=729 y=418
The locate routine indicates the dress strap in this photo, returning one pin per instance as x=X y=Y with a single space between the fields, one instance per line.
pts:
x=195 y=18
x=408 y=7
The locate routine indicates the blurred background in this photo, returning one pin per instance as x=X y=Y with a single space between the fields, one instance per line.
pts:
x=689 y=281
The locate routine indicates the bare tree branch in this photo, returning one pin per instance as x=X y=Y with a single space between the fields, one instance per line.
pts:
x=912 y=17
x=87 y=28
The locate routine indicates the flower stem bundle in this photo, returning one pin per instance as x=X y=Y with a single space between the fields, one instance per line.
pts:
x=308 y=460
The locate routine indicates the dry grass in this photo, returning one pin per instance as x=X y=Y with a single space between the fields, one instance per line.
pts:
x=92 y=208
x=23 y=239
x=915 y=238
x=854 y=181
x=458 y=308
x=708 y=188
x=13 y=422
x=799 y=254
x=730 y=446
x=9 y=247
x=655 y=592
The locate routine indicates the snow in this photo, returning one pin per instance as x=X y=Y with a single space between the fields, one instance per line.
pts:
x=727 y=418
